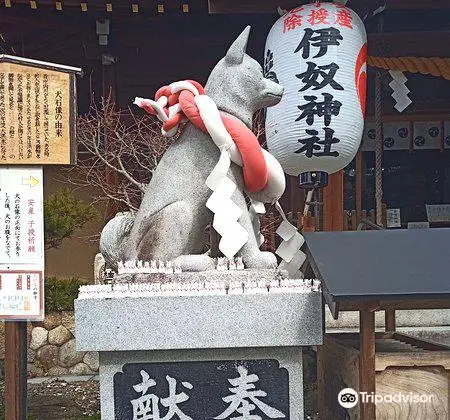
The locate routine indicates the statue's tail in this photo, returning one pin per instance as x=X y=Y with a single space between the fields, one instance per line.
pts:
x=113 y=235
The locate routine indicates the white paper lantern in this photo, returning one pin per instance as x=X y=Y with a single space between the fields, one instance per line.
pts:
x=317 y=52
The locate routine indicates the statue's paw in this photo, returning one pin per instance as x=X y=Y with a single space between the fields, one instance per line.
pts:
x=194 y=263
x=260 y=259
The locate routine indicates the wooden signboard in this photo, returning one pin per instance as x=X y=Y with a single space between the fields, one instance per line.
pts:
x=37 y=112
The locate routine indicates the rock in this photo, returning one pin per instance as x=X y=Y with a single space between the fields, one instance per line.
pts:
x=47 y=356
x=52 y=320
x=59 y=335
x=68 y=320
x=57 y=371
x=81 y=369
x=31 y=356
x=34 y=371
x=68 y=355
x=39 y=337
x=91 y=359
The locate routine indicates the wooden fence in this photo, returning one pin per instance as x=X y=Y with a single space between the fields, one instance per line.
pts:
x=271 y=221
x=351 y=221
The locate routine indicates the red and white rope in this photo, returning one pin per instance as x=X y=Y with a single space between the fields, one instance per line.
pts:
x=263 y=175
x=185 y=100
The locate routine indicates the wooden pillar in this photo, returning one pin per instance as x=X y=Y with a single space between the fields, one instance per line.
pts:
x=108 y=79
x=367 y=361
x=358 y=185
x=320 y=368
x=389 y=319
x=333 y=203
x=321 y=386
x=333 y=220
x=15 y=370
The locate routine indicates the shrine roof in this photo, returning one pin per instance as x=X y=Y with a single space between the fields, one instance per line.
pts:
x=384 y=265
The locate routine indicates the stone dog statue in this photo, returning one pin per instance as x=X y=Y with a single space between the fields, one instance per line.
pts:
x=170 y=223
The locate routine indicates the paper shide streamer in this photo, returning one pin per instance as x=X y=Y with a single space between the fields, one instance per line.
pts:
x=399 y=90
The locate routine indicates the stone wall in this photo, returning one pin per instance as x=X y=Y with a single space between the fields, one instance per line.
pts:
x=52 y=350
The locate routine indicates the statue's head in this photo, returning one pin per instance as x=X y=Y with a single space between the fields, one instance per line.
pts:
x=237 y=84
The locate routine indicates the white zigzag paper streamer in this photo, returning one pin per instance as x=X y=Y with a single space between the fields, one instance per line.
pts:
x=257 y=208
x=226 y=212
x=289 y=250
x=400 y=91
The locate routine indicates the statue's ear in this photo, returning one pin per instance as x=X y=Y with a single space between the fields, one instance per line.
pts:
x=236 y=52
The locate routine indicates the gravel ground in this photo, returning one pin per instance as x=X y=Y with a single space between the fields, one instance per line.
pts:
x=60 y=400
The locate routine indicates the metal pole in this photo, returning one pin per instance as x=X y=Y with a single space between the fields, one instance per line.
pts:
x=15 y=370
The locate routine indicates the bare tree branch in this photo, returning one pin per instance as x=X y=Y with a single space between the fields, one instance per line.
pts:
x=119 y=151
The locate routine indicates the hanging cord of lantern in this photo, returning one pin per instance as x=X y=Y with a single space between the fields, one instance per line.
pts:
x=435 y=66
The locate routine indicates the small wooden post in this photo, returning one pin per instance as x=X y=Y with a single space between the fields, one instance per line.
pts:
x=15 y=370
x=307 y=223
x=372 y=217
x=389 y=319
x=364 y=215
x=354 y=220
x=367 y=361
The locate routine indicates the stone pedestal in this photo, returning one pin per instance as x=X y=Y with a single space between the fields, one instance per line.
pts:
x=200 y=350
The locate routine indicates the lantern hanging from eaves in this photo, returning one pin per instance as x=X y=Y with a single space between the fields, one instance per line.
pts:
x=317 y=52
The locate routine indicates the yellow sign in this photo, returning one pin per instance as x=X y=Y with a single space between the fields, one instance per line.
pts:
x=37 y=112
x=31 y=181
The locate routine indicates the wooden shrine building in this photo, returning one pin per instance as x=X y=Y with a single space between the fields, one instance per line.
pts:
x=131 y=48
x=400 y=177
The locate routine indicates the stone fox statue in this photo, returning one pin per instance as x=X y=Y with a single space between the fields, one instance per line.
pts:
x=170 y=223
